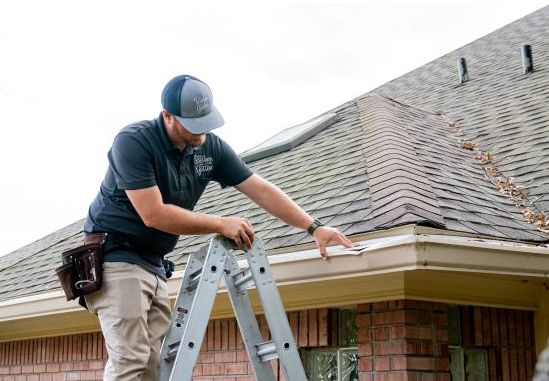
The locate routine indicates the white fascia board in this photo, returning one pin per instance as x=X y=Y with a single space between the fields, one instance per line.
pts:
x=374 y=256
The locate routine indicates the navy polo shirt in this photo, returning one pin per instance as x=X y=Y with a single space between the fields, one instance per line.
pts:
x=143 y=156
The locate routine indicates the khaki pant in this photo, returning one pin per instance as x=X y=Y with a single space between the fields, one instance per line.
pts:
x=134 y=312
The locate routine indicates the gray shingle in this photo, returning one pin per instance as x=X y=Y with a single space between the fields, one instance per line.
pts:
x=391 y=159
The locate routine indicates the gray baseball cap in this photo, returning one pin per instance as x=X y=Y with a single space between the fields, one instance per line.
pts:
x=190 y=100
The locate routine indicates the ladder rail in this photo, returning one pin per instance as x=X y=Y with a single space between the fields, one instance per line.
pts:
x=188 y=337
x=275 y=314
x=246 y=320
x=194 y=303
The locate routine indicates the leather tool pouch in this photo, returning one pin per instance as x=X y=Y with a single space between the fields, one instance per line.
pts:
x=82 y=269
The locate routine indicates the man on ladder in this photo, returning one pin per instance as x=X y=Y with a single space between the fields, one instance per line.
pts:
x=157 y=171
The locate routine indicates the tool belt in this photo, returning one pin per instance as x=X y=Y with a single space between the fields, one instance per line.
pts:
x=82 y=271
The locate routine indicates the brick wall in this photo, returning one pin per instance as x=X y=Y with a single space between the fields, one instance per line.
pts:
x=508 y=335
x=408 y=340
x=223 y=355
x=403 y=340
x=74 y=357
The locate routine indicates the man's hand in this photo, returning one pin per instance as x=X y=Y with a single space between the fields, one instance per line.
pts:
x=323 y=235
x=239 y=230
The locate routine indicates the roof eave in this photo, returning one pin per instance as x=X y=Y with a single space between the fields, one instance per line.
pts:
x=375 y=257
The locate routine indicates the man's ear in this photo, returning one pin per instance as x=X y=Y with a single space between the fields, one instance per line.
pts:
x=167 y=116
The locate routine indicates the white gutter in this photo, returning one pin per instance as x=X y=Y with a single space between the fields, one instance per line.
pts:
x=374 y=256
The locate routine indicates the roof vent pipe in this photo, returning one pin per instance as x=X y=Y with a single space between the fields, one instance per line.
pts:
x=527 y=61
x=462 y=69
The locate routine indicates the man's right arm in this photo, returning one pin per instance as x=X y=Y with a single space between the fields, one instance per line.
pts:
x=172 y=219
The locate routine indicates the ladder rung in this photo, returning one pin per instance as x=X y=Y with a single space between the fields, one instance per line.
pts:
x=194 y=279
x=172 y=351
x=267 y=351
x=245 y=282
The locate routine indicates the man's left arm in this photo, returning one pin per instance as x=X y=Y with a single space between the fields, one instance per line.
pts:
x=277 y=203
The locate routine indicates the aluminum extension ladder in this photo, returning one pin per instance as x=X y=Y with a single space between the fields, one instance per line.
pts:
x=194 y=304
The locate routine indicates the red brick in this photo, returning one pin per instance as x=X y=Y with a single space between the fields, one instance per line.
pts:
x=27 y=369
x=444 y=364
x=210 y=336
x=444 y=377
x=4 y=370
x=398 y=363
x=323 y=327
x=217 y=335
x=232 y=333
x=392 y=376
x=396 y=304
x=242 y=356
x=197 y=370
x=421 y=363
x=397 y=317
x=442 y=335
x=46 y=377
x=213 y=369
x=380 y=306
x=426 y=349
x=364 y=335
x=417 y=304
x=87 y=375
x=66 y=366
x=382 y=318
x=428 y=377
x=313 y=328
x=33 y=377
x=363 y=320
x=97 y=364
x=294 y=324
x=72 y=376
x=382 y=363
x=441 y=319
x=225 y=357
x=303 y=328
x=224 y=334
x=486 y=326
x=40 y=368
x=365 y=350
x=381 y=333
x=205 y=358
x=15 y=369
x=52 y=367
x=20 y=377
x=364 y=307
x=365 y=364
x=81 y=365
x=506 y=376
x=236 y=368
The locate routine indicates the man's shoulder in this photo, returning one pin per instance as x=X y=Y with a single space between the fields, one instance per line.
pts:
x=139 y=128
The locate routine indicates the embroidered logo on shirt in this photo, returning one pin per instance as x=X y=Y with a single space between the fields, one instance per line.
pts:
x=203 y=164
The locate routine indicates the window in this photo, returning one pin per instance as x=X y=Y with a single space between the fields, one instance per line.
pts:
x=341 y=363
x=466 y=363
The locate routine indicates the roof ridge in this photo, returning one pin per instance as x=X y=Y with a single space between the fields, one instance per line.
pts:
x=379 y=132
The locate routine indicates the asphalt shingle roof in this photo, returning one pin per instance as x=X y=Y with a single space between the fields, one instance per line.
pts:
x=392 y=158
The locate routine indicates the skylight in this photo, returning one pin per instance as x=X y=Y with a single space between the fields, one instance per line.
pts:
x=289 y=138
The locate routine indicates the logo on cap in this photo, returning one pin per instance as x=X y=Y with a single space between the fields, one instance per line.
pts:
x=202 y=104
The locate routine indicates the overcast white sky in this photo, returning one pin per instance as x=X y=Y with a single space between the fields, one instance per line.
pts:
x=72 y=73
